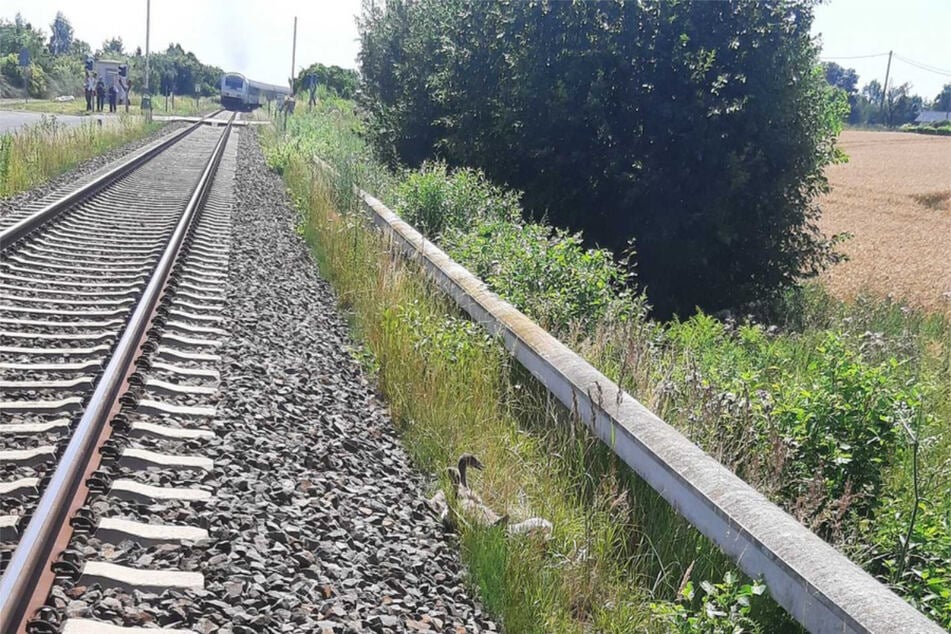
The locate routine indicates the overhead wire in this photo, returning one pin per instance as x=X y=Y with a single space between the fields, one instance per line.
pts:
x=925 y=67
x=855 y=56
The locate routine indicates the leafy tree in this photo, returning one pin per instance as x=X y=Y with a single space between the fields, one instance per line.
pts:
x=872 y=91
x=844 y=78
x=14 y=37
x=901 y=106
x=20 y=34
x=81 y=49
x=112 y=46
x=342 y=81
x=700 y=129
x=943 y=100
x=57 y=62
x=62 y=35
x=178 y=71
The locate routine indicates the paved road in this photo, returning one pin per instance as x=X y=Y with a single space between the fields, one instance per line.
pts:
x=11 y=120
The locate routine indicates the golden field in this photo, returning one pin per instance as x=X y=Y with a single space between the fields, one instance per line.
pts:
x=894 y=196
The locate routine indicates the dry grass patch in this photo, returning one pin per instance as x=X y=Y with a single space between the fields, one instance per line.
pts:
x=940 y=200
x=886 y=196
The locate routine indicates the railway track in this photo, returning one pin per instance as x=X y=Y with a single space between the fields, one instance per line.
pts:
x=110 y=301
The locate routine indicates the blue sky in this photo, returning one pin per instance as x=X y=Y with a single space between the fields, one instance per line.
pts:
x=254 y=36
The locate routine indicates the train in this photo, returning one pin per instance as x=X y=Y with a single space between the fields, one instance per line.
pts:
x=240 y=93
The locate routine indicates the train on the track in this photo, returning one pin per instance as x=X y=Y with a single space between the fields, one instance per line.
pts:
x=240 y=93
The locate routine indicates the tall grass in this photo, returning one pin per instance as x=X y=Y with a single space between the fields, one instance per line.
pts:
x=616 y=548
x=838 y=411
x=33 y=155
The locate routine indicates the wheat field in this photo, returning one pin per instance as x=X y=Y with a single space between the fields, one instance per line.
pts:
x=894 y=196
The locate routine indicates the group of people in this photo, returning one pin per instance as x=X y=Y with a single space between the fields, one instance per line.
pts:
x=96 y=92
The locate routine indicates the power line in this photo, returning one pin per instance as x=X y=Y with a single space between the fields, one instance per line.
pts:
x=925 y=64
x=855 y=56
x=924 y=67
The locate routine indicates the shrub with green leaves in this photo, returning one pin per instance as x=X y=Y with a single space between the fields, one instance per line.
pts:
x=434 y=199
x=545 y=272
x=913 y=555
x=723 y=609
x=842 y=422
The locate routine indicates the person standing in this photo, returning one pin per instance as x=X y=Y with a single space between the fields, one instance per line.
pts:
x=112 y=96
x=88 y=86
x=124 y=85
x=312 y=87
x=100 y=94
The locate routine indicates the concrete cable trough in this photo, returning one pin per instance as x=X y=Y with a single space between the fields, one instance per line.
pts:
x=815 y=583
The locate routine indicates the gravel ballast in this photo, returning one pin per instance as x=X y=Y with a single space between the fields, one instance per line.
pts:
x=316 y=519
x=328 y=527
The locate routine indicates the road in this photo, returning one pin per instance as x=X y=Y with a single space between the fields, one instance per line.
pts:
x=11 y=120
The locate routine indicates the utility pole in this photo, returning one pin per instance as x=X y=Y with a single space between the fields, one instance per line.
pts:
x=146 y=95
x=294 y=55
x=885 y=85
x=148 y=16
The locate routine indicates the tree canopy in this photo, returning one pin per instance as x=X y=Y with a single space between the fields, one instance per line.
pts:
x=866 y=106
x=179 y=71
x=698 y=129
x=943 y=100
x=57 y=62
x=112 y=47
x=341 y=81
x=61 y=38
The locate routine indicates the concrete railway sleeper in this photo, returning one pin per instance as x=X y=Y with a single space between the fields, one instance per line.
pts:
x=95 y=388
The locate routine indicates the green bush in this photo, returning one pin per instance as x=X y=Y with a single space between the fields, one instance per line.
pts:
x=723 y=609
x=921 y=569
x=700 y=129
x=37 y=84
x=842 y=421
x=434 y=198
x=10 y=69
x=545 y=272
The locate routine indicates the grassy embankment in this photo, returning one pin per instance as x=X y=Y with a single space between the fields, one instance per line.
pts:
x=34 y=154
x=839 y=413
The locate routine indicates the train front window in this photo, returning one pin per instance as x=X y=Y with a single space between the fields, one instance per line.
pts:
x=235 y=83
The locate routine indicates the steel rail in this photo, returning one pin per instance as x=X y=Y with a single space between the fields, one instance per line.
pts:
x=26 y=580
x=26 y=225
x=816 y=584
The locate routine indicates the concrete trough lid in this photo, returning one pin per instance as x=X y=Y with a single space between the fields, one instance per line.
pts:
x=816 y=584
